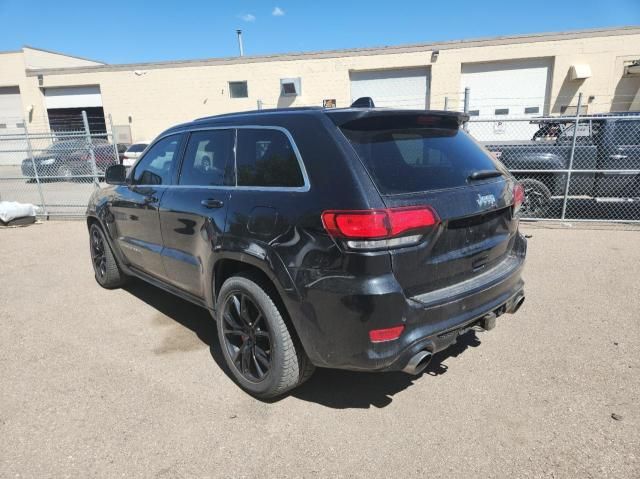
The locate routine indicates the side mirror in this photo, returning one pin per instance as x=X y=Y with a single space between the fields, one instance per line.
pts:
x=116 y=175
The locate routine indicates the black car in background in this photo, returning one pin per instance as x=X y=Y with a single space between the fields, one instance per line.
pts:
x=65 y=159
x=607 y=149
x=359 y=238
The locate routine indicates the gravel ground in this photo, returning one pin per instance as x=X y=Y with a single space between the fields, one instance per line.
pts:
x=99 y=383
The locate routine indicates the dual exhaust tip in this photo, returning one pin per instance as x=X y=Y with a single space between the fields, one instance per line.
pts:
x=517 y=302
x=418 y=363
x=421 y=359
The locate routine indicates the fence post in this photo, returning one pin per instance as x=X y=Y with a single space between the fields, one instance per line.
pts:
x=571 y=156
x=446 y=103
x=35 y=170
x=259 y=104
x=113 y=140
x=94 y=169
x=467 y=96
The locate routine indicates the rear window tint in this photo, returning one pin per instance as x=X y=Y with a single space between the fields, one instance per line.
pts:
x=409 y=160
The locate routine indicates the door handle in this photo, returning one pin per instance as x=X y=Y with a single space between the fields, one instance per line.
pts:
x=211 y=203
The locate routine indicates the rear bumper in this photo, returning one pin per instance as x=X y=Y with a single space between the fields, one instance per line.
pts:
x=340 y=312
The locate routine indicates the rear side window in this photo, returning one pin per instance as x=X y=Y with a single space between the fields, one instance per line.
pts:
x=415 y=159
x=266 y=158
x=207 y=159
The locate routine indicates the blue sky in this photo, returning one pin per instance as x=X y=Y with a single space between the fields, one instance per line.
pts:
x=125 y=31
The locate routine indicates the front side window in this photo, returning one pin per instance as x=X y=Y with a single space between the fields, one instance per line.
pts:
x=67 y=146
x=156 y=165
x=626 y=132
x=266 y=158
x=208 y=160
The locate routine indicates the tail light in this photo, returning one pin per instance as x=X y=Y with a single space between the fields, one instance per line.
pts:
x=518 y=197
x=387 y=334
x=375 y=229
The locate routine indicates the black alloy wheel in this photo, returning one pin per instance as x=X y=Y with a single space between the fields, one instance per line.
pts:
x=247 y=337
x=98 y=253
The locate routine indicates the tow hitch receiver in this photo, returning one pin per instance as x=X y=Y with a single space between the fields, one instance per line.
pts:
x=488 y=321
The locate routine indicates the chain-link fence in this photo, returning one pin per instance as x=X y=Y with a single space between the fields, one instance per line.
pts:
x=55 y=170
x=572 y=167
x=583 y=167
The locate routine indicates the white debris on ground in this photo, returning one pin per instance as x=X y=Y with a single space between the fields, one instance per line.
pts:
x=11 y=210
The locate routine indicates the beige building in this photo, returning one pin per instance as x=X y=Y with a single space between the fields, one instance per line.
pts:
x=514 y=76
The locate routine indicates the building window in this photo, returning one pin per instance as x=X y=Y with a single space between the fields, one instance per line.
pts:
x=474 y=112
x=531 y=109
x=502 y=111
x=238 y=89
x=290 y=87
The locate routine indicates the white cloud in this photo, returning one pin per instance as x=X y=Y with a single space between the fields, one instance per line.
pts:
x=278 y=12
x=248 y=17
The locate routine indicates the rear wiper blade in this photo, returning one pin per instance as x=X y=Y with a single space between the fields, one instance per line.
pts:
x=483 y=174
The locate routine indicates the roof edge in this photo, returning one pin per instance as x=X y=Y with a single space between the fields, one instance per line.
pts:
x=53 y=52
x=381 y=50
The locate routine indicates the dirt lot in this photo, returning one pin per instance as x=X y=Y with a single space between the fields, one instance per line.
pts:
x=100 y=383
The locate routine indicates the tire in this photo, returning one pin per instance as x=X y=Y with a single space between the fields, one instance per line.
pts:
x=64 y=173
x=537 y=198
x=105 y=266
x=263 y=326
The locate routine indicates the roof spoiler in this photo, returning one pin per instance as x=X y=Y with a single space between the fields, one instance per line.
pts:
x=398 y=118
x=363 y=102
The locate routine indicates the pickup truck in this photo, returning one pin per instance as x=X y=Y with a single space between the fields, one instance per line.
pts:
x=607 y=151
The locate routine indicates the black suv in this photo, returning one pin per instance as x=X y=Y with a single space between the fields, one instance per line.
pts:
x=358 y=238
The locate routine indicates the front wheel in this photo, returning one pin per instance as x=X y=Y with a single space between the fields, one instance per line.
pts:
x=105 y=266
x=264 y=356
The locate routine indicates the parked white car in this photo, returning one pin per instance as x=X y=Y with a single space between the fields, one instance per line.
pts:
x=133 y=153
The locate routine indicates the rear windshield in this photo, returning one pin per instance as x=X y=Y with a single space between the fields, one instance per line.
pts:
x=414 y=159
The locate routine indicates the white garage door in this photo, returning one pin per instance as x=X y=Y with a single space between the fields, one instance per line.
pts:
x=66 y=104
x=10 y=108
x=73 y=97
x=398 y=88
x=507 y=89
x=11 y=126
